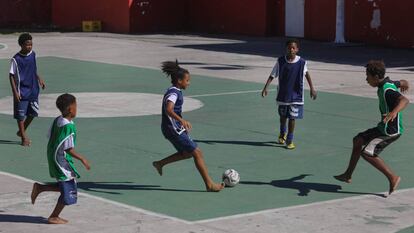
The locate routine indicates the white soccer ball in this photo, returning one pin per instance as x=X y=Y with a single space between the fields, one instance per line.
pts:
x=231 y=177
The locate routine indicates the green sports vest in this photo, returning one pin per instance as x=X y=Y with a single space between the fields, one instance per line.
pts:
x=384 y=109
x=57 y=136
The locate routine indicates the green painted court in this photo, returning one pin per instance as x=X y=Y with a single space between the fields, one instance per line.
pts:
x=235 y=128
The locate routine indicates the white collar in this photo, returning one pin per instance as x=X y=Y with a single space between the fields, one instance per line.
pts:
x=31 y=51
x=61 y=121
x=174 y=87
x=294 y=60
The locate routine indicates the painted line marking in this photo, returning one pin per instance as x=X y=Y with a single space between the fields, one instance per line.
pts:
x=133 y=208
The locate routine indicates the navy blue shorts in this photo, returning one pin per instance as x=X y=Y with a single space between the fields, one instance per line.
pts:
x=182 y=142
x=25 y=108
x=293 y=111
x=68 y=192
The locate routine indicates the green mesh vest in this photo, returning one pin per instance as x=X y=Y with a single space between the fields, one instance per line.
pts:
x=384 y=109
x=57 y=136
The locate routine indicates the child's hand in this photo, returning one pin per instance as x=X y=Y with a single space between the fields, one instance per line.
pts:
x=17 y=97
x=313 y=94
x=404 y=85
x=264 y=93
x=86 y=164
x=42 y=83
x=186 y=124
x=389 y=117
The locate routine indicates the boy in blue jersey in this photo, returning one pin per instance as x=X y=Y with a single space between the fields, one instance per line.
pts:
x=370 y=143
x=176 y=130
x=291 y=70
x=25 y=84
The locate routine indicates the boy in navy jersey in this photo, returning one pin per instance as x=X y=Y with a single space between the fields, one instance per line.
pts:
x=176 y=130
x=291 y=69
x=25 y=84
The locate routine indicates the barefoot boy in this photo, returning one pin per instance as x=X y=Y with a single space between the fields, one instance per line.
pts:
x=371 y=142
x=60 y=150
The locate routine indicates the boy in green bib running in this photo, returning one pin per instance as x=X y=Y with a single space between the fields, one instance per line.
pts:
x=60 y=151
x=371 y=142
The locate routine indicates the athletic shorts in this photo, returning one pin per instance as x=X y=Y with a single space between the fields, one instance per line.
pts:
x=293 y=111
x=25 y=108
x=375 y=141
x=68 y=192
x=181 y=142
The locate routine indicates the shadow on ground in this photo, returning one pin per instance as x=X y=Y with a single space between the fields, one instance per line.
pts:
x=305 y=188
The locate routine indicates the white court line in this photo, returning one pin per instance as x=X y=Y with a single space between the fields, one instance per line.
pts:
x=228 y=93
x=321 y=203
x=133 y=208
x=5 y=46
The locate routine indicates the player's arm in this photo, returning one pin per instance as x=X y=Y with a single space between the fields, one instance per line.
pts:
x=79 y=157
x=264 y=91
x=172 y=114
x=312 y=90
x=401 y=100
x=13 y=85
x=403 y=84
x=41 y=82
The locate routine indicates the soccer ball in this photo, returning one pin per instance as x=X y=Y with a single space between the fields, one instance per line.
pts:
x=231 y=177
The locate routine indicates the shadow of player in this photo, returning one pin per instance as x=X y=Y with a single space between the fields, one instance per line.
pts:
x=304 y=188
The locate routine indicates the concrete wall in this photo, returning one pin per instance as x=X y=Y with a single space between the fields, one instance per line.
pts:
x=114 y=14
x=380 y=22
x=25 y=13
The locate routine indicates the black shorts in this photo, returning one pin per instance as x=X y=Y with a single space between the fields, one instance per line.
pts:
x=375 y=141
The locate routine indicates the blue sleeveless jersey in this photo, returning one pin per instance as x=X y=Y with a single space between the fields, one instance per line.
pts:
x=26 y=77
x=169 y=123
x=290 y=89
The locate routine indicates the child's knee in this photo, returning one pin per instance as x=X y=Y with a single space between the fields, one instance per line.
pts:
x=358 y=141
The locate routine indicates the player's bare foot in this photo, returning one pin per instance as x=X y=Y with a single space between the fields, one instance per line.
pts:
x=35 y=192
x=343 y=178
x=215 y=187
x=158 y=167
x=26 y=142
x=394 y=184
x=56 y=220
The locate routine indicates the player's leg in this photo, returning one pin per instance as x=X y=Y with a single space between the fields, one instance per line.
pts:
x=39 y=188
x=54 y=216
x=291 y=130
x=358 y=142
x=20 y=114
x=202 y=169
x=282 y=131
x=379 y=164
x=170 y=159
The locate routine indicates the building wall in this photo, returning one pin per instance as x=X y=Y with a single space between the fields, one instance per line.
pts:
x=114 y=14
x=380 y=22
x=320 y=19
x=248 y=17
x=25 y=13
x=159 y=16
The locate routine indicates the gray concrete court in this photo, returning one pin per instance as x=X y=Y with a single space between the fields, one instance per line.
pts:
x=334 y=68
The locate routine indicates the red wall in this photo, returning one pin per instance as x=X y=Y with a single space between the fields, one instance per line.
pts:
x=25 y=13
x=228 y=16
x=396 y=27
x=320 y=19
x=114 y=14
x=159 y=15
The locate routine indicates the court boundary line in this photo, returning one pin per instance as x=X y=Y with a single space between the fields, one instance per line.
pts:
x=119 y=204
x=209 y=220
x=5 y=46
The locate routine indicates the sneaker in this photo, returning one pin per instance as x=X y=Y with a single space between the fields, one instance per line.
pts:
x=290 y=146
x=282 y=138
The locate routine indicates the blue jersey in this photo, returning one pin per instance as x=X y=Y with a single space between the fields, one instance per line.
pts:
x=174 y=95
x=290 y=90
x=24 y=69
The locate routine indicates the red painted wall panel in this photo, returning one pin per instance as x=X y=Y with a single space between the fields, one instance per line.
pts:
x=394 y=28
x=320 y=19
x=159 y=15
x=25 y=13
x=229 y=16
x=114 y=14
